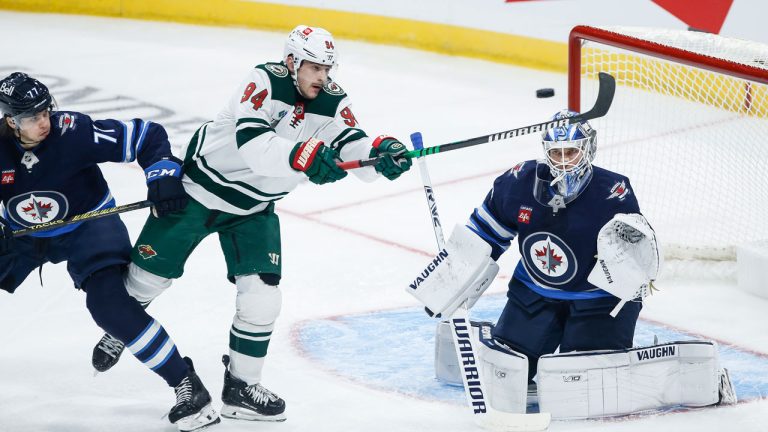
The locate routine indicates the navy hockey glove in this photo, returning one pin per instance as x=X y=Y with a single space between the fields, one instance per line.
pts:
x=394 y=162
x=164 y=187
x=317 y=161
x=6 y=237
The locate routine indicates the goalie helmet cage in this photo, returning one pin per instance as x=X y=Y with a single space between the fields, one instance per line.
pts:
x=688 y=126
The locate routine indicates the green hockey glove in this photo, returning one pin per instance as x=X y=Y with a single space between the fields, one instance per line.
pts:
x=317 y=161
x=394 y=162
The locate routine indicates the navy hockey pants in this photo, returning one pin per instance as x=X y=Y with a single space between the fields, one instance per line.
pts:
x=534 y=325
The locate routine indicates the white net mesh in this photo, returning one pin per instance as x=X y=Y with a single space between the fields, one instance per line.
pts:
x=692 y=141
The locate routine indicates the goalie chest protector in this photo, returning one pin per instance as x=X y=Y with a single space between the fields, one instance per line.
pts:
x=558 y=248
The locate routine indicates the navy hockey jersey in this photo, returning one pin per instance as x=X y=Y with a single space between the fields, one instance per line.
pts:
x=557 y=248
x=60 y=177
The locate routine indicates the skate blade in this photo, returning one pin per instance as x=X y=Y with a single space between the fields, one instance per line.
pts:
x=201 y=420
x=239 y=413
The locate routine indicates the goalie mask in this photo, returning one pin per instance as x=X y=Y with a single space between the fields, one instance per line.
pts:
x=312 y=44
x=569 y=152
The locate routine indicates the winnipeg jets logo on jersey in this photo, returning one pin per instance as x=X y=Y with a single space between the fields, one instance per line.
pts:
x=549 y=259
x=66 y=122
x=515 y=171
x=619 y=190
x=37 y=207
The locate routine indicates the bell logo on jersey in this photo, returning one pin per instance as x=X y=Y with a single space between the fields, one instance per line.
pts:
x=8 y=177
x=35 y=208
x=619 y=190
x=548 y=259
x=524 y=216
x=146 y=251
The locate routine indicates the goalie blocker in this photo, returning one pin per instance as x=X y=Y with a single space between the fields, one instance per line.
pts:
x=462 y=271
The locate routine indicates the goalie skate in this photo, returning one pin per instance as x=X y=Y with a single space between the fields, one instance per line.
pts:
x=106 y=353
x=249 y=402
x=193 y=410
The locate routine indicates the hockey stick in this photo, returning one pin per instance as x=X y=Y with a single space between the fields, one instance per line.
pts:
x=95 y=214
x=463 y=341
x=602 y=104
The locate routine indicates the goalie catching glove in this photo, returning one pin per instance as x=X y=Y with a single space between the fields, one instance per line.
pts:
x=461 y=272
x=628 y=258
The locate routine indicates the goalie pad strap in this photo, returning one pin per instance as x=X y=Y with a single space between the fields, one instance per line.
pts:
x=592 y=384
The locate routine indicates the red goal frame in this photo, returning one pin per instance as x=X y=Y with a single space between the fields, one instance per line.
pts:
x=581 y=33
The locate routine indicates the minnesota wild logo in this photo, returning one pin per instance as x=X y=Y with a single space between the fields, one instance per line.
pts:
x=146 y=251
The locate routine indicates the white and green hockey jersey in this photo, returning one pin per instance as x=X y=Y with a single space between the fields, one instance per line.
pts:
x=239 y=162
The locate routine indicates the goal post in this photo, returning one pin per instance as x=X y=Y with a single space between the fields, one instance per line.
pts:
x=688 y=126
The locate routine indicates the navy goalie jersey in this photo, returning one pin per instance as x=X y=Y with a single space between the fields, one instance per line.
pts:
x=60 y=176
x=558 y=246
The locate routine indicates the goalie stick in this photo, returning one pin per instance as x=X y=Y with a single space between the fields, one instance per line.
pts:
x=602 y=104
x=95 y=214
x=463 y=341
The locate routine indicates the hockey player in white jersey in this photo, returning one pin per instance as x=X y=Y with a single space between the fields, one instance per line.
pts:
x=286 y=122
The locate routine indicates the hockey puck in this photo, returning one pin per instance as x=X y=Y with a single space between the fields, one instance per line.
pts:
x=545 y=92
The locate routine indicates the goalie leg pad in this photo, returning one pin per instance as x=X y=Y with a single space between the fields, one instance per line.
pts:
x=447 y=368
x=581 y=385
x=504 y=373
x=463 y=270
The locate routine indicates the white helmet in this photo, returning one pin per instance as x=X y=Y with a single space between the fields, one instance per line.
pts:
x=310 y=43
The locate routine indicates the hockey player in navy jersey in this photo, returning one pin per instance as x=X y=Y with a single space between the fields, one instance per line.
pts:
x=48 y=161
x=588 y=257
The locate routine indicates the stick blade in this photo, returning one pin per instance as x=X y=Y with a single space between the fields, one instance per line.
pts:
x=604 y=99
x=498 y=421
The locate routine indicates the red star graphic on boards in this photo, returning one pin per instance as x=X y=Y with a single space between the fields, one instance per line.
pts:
x=706 y=15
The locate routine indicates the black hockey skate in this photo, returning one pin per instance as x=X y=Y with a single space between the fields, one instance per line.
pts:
x=249 y=402
x=193 y=410
x=106 y=353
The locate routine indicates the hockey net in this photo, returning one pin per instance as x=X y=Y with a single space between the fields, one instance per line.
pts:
x=689 y=127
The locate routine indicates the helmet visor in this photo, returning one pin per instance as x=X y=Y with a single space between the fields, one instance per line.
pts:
x=30 y=119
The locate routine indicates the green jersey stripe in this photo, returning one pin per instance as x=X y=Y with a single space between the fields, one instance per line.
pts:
x=252 y=120
x=243 y=136
x=347 y=136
